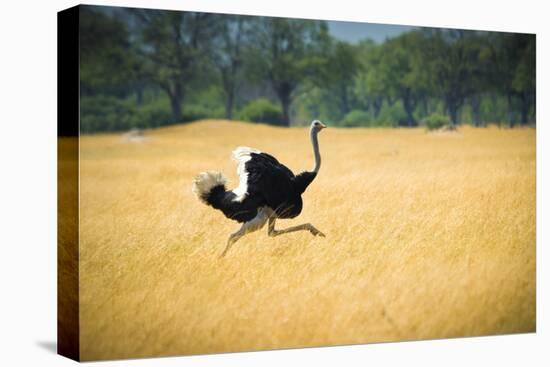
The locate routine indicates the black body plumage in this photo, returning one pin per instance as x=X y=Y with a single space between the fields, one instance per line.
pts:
x=269 y=183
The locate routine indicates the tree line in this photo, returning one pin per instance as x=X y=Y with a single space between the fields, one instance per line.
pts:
x=146 y=68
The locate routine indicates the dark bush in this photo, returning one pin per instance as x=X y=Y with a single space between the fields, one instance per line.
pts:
x=101 y=113
x=261 y=110
x=356 y=118
x=194 y=113
x=436 y=121
x=391 y=116
x=153 y=114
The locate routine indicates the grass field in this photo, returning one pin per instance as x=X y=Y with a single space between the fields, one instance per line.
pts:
x=428 y=235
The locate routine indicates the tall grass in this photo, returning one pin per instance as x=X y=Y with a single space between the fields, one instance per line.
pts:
x=428 y=236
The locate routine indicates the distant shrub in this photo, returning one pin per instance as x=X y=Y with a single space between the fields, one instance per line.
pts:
x=261 y=110
x=159 y=113
x=436 y=121
x=154 y=114
x=102 y=113
x=356 y=118
x=195 y=112
x=106 y=113
x=391 y=116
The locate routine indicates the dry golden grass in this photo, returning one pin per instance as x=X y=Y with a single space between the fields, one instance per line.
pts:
x=428 y=236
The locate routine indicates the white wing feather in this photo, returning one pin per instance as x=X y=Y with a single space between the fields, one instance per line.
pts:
x=242 y=155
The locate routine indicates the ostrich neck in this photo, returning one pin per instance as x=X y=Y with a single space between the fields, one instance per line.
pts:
x=313 y=135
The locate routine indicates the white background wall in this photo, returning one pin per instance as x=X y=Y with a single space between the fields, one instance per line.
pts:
x=28 y=181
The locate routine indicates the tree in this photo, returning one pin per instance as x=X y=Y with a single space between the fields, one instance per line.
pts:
x=338 y=73
x=229 y=55
x=524 y=83
x=369 y=88
x=513 y=69
x=177 y=45
x=285 y=54
x=479 y=81
x=403 y=69
x=453 y=59
x=211 y=63
x=106 y=61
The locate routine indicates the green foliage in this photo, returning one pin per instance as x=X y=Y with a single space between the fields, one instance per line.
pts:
x=148 y=68
x=105 y=53
x=153 y=114
x=436 y=121
x=402 y=71
x=103 y=113
x=336 y=74
x=261 y=110
x=456 y=67
x=287 y=51
x=356 y=118
x=389 y=116
x=369 y=85
x=196 y=112
x=176 y=46
x=392 y=115
x=314 y=103
x=205 y=103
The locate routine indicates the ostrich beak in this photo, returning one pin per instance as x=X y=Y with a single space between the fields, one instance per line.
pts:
x=323 y=126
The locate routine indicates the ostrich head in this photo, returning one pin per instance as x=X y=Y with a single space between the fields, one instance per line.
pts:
x=317 y=126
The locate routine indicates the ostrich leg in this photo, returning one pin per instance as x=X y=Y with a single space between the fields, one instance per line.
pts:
x=253 y=225
x=271 y=231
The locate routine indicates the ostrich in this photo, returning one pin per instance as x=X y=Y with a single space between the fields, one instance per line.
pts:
x=267 y=190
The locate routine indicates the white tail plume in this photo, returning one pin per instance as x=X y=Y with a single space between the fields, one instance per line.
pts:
x=205 y=181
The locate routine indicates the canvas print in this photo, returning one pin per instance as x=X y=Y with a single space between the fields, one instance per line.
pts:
x=234 y=183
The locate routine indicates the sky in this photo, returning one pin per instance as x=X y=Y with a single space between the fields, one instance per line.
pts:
x=354 y=32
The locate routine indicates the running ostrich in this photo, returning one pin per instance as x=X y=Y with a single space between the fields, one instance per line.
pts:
x=267 y=190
